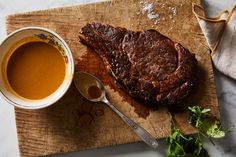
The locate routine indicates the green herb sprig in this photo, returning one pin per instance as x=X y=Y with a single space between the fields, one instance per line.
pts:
x=209 y=127
x=179 y=145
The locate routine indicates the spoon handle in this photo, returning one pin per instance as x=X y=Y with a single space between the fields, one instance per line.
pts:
x=141 y=132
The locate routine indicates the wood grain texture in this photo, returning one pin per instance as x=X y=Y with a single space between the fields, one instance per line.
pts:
x=74 y=124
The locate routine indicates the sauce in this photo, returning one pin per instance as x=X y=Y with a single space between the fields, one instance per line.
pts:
x=35 y=70
x=94 y=92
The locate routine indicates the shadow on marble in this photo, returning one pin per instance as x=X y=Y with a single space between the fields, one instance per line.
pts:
x=139 y=149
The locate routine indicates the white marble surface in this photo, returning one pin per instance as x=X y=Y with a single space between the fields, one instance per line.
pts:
x=226 y=91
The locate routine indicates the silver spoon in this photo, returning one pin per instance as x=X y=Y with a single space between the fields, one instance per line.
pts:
x=85 y=81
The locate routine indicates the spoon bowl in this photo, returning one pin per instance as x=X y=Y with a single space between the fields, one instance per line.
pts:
x=83 y=81
x=93 y=89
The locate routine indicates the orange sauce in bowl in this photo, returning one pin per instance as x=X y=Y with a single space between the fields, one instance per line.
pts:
x=35 y=70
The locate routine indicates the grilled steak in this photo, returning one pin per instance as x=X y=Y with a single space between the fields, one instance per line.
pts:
x=148 y=65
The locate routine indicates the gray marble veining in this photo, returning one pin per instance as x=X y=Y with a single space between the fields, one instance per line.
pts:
x=226 y=92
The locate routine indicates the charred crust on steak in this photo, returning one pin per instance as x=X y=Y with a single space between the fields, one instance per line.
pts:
x=148 y=65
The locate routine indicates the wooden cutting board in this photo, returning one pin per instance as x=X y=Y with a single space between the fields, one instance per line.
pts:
x=74 y=124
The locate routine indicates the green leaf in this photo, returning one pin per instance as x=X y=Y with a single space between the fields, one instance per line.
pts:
x=205 y=110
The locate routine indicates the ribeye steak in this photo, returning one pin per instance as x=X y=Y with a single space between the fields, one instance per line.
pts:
x=148 y=65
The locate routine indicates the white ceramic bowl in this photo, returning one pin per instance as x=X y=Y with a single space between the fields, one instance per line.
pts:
x=34 y=34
